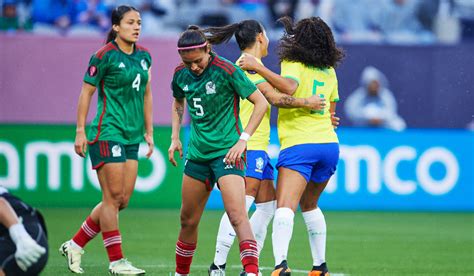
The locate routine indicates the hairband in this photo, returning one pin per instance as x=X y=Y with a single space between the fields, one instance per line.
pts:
x=192 y=47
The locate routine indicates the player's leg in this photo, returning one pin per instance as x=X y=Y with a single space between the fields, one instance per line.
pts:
x=195 y=194
x=265 y=204
x=232 y=187
x=226 y=233
x=291 y=185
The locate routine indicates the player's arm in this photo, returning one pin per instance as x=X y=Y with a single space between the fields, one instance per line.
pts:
x=148 y=114
x=177 y=114
x=332 y=111
x=284 y=85
x=281 y=100
x=233 y=156
x=80 y=144
x=27 y=250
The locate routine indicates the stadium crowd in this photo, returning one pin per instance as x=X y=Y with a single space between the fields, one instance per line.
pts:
x=358 y=21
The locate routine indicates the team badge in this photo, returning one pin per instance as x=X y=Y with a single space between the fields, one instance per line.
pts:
x=186 y=88
x=259 y=165
x=116 y=151
x=92 y=71
x=144 y=65
x=210 y=88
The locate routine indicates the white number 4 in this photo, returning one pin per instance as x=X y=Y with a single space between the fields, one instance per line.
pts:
x=199 y=109
x=136 y=82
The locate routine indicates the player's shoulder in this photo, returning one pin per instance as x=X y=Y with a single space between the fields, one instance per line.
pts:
x=105 y=50
x=223 y=64
x=178 y=70
x=142 y=50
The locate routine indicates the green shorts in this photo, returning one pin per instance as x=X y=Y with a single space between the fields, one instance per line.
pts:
x=209 y=172
x=102 y=152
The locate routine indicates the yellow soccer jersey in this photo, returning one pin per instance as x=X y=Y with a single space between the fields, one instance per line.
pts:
x=302 y=126
x=261 y=138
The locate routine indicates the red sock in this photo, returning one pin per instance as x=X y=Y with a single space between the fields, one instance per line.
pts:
x=113 y=244
x=86 y=233
x=184 y=256
x=249 y=256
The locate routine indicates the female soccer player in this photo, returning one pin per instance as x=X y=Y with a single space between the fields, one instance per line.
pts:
x=310 y=149
x=252 y=39
x=121 y=73
x=212 y=86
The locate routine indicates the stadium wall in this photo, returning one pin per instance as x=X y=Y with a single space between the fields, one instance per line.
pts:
x=429 y=170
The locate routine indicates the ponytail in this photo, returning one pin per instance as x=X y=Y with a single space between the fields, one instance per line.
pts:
x=245 y=33
x=111 y=35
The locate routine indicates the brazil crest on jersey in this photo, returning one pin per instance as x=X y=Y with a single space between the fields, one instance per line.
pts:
x=213 y=103
x=120 y=79
x=298 y=126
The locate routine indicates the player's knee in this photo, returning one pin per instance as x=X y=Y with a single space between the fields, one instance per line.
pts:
x=188 y=222
x=115 y=198
x=308 y=206
x=251 y=191
x=125 y=201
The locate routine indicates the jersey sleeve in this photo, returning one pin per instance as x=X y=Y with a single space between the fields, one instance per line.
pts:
x=291 y=70
x=96 y=70
x=177 y=91
x=335 y=92
x=242 y=85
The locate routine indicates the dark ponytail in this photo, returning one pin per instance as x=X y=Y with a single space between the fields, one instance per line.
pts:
x=193 y=36
x=245 y=33
x=115 y=18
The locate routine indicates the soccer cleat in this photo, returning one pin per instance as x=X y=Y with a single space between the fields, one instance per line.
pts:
x=124 y=267
x=216 y=270
x=243 y=273
x=282 y=270
x=73 y=257
x=321 y=270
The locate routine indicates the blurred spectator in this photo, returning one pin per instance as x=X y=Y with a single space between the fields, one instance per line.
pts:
x=280 y=8
x=464 y=10
x=10 y=20
x=398 y=21
x=372 y=104
x=92 y=13
x=47 y=13
x=355 y=21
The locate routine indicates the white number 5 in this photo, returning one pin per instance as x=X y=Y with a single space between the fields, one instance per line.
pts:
x=200 y=110
x=136 y=82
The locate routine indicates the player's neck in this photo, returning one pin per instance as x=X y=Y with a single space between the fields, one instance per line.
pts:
x=254 y=52
x=124 y=46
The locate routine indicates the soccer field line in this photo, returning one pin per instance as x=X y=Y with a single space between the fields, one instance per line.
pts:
x=264 y=268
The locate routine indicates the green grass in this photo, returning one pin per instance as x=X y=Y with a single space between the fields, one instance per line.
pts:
x=359 y=243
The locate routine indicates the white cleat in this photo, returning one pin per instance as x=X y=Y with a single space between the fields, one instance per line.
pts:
x=124 y=267
x=73 y=257
x=217 y=272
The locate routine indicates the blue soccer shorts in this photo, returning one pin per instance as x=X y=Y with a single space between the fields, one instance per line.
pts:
x=258 y=165
x=315 y=162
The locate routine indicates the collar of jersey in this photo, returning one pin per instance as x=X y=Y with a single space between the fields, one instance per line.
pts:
x=120 y=50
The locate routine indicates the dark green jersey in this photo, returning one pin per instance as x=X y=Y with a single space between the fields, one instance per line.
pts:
x=213 y=103
x=120 y=80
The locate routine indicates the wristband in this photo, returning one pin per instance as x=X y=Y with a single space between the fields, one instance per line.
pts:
x=244 y=136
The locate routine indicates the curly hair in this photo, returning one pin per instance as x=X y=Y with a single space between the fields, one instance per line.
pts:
x=310 y=42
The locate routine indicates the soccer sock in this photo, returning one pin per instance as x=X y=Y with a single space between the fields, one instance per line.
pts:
x=226 y=235
x=113 y=245
x=282 y=231
x=249 y=256
x=86 y=233
x=260 y=220
x=316 y=225
x=184 y=256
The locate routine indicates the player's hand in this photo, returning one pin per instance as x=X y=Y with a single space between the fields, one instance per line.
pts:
x=175 y=146
x=151 y=144
x=233 y=156
x=28 y=251
x=334 y=120
x=316 y=103
x=80 y=144
x=248 y=62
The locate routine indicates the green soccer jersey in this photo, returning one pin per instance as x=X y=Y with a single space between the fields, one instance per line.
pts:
x=121 y=80
x=213 y=103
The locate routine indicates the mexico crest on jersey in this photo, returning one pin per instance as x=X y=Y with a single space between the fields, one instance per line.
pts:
x=210 y=88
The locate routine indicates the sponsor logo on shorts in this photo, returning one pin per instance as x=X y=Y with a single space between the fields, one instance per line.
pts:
x=259 y=165
x=116 y=151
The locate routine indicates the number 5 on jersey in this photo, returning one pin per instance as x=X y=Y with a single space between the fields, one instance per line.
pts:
x=136 y=82
x=198 y=106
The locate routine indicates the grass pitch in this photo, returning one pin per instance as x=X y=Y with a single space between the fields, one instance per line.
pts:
x=359 y=243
